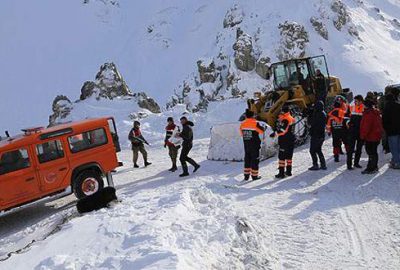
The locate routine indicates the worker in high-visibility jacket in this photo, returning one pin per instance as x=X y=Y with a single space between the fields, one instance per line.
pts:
x=337 y=127
x=355 y=142
x=251 y=131
x=284 y=130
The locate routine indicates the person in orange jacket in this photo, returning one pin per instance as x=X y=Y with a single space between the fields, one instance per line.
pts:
x=336 y=127
x=251 y=131
x=286 y=139
x=355 y=142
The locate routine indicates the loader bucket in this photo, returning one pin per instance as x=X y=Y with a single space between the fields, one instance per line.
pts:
x=226 y=144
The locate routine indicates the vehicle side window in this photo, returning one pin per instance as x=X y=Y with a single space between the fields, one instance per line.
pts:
x=87 y=140
x=49 y=151
x=14 y=160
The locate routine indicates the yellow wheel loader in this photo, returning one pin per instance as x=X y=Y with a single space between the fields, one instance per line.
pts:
x=294 y=84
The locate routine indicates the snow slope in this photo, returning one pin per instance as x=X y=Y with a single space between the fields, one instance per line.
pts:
x=49 y=48
x=315 y=220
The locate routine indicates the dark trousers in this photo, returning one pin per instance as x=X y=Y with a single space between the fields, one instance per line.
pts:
x=285 y=156
x=251 y=162
x=339 y=137
x=136 y=149
x=355 y=147
x=173 y=154
x=185 y=158
x=316 y=151
x=372 y=150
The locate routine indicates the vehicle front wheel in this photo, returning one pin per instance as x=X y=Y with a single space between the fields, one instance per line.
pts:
x=87 y=183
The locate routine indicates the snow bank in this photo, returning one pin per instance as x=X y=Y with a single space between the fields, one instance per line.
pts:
x=226 y=143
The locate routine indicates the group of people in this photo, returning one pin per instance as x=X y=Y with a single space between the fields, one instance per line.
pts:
x=175 y=139
x=365 y=123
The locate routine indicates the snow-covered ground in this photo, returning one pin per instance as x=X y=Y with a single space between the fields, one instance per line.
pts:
x=334 y=219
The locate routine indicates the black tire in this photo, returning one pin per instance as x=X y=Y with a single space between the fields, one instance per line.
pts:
x=301 y=126
x=87 y=183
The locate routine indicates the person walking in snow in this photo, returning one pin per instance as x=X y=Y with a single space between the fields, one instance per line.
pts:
x=391 y=125
x=371 y=132
x=317 y=132
x=355 y=142
x=187 y=144
x=172 y=142
x=138 y=141
x=336 y=127
x=251 y=130
x=286 y=138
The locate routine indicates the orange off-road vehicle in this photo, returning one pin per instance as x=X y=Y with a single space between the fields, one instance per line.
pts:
x=47 y=163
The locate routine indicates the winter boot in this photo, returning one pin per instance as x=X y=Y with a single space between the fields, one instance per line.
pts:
x=254 y=178
x=196 y=167
x=336 y=158
x=358 y=166
x=314 y=167
x=185 y=171
x=289 y=170
x=174 y=167
x=135 y=166
x=357 y=158
x=281 y=173
x=147 y=163
x=184 y=174
x=246 y=177
x=350 y=162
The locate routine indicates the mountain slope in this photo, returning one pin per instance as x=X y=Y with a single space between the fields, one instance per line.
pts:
x=50 y=48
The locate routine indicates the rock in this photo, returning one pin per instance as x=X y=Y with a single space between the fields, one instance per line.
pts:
x=319 y=27
x=353 y=32
x=294 y=39
x=147 y=103
x=395 y=23
x=244 y=59
x=233 y=16
x=263 y=68
x=110 y=82
x=206 y=68
x=87 y=90
x=61 y=107
x=342 y=17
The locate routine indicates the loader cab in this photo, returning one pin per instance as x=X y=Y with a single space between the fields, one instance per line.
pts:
x=291 y=73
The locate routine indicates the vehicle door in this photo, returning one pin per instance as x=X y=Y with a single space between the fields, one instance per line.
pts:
x=53 y=166
x=18 y=181
x=114 y=134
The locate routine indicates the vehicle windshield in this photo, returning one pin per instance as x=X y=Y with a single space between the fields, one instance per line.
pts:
x=285 y=75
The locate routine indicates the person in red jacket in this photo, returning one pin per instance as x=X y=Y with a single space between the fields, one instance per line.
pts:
x=371 y=132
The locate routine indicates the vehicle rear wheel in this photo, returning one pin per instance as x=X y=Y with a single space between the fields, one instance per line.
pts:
x=301 y=126
x=87 y=183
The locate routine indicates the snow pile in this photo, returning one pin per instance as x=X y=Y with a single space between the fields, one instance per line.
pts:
x=227 y=144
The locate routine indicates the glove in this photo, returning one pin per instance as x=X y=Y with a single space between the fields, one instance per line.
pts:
x=272 y=135
x=329 y=134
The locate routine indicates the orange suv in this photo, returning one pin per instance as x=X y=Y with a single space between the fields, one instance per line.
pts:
x=54 y=162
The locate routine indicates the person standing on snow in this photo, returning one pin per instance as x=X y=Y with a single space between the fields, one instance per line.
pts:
x=286 y=138
x=391 y=125
x=187 y=144
x=251 y=130
x=371 y=132
x=355 y=142
x=336 y=127
x=171 y=132
x=138 y=141
x=317 y=132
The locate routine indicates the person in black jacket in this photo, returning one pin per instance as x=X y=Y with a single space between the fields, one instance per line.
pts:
x=187 y=136
x=320 y=86
x=317 y=132
x=391 y=125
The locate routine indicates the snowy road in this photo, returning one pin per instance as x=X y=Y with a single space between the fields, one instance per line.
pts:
x=315 y=220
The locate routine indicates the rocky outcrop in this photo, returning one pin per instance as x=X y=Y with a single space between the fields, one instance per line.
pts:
x=233 y=16
x=206 y=69
x=263 y=67
x=244 y=58
x=294 y=39
x=61 y=107
x=342 y=15
x=147 y=103
x=108 y=84
x=319 y=27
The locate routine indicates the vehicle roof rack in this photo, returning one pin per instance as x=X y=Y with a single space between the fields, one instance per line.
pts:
x=33 y=130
